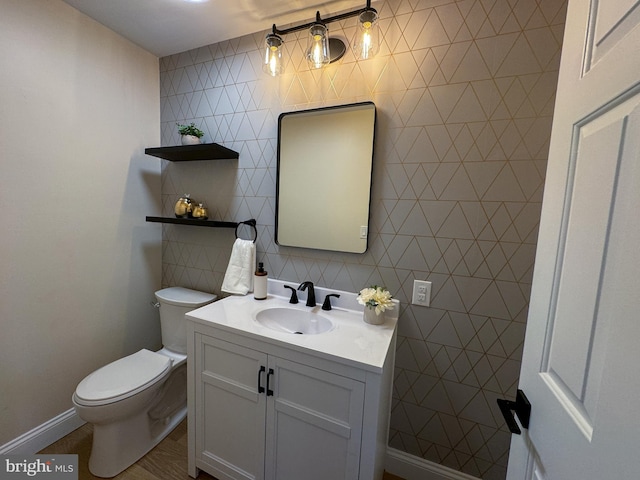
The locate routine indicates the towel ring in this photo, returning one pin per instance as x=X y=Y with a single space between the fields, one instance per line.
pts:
x=252 y=224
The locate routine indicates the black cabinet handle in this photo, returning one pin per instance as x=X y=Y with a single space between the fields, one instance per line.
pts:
x=260 y=372
x=269 y=391
x=521 y=407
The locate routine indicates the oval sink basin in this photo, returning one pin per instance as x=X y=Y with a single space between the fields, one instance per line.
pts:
x=289 y=320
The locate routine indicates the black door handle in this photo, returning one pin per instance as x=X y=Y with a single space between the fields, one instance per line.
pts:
x=521 y=406
x=269 y=391
x=260 y=372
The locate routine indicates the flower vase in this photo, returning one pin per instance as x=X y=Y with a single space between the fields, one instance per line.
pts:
x=190 y=140
x=371 y=317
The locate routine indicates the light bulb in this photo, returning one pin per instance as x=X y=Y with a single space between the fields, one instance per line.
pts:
x=365 y=41
x=273 y=64
x=318 y=49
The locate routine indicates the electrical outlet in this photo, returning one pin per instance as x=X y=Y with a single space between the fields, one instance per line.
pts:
x=421 y=293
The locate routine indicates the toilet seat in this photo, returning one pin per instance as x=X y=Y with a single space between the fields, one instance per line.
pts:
x=123 y=378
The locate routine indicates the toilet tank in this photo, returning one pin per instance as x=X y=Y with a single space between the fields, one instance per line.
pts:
x=174 y=303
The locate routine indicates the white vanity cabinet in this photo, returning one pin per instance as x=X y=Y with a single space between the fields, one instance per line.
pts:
x=261 y=409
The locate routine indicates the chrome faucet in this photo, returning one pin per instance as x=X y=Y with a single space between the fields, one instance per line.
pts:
x=311 y=293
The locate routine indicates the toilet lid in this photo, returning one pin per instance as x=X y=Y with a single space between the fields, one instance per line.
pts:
x=122 y=378
x=184 y=297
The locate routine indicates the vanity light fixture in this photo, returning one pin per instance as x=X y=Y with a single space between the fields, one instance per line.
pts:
x=273 y=55
x=318 y=44
x=365 y=40
x=322 y=50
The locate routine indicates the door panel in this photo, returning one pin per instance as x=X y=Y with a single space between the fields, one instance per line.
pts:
x=573 y=357
x=611 y=22
x=581 y=352
x=313 y=415
x=232 y=438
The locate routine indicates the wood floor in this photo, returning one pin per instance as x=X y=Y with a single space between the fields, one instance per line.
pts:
x=168 y=461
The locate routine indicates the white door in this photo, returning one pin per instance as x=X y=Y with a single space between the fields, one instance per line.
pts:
x=581 y=364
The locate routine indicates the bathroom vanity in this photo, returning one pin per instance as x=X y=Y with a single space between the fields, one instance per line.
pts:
x=266 y=402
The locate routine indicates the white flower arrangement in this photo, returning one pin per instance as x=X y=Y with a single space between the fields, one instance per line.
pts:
x=375 y=297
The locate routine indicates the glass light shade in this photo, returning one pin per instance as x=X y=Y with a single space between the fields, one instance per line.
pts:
x=365 y=42
x=273 y=63
x=318 y=53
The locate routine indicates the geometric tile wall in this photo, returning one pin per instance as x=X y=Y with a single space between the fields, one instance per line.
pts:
x=465 y=93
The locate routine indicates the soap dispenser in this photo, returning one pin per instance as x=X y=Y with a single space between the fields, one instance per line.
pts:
x=260 y=283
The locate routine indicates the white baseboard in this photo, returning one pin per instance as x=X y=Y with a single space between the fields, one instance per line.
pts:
x=43 y=435
x=411 y=467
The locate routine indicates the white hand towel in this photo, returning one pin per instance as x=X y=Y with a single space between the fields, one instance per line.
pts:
x=239 y=276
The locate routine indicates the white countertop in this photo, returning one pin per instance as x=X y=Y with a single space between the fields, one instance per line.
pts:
x=351 y=341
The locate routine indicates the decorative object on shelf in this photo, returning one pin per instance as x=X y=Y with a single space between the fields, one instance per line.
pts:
x=191 y=134
x=375 y=300
x=322 y=50
x=200 y=212
x=184 y=207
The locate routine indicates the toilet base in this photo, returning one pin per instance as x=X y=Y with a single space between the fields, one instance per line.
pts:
x=124 y=432
x=112 y=452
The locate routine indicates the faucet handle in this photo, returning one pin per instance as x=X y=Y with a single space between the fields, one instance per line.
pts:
x=327 y=301
x=294 y=295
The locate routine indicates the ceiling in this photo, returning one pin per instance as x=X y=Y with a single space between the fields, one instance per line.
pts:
x=165 y=27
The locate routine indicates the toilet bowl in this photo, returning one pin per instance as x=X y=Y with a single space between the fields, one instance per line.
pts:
x=134 y=402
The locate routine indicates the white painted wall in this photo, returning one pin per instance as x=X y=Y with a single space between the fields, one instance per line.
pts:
x=78 y=263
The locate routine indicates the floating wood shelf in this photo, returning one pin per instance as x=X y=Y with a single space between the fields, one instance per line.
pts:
x=188 y=153
x=207 y=223
x=193 y=222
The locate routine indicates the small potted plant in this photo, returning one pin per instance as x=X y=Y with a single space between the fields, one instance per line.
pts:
x=375 y=300
x=190 y=134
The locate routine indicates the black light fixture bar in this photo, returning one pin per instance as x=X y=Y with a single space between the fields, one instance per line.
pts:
x=335 y=18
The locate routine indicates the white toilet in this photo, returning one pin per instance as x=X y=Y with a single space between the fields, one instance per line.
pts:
x=134 y=402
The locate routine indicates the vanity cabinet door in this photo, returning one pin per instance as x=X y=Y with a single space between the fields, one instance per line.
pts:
x=264 y=417
x=230 y=417
x=314 y=423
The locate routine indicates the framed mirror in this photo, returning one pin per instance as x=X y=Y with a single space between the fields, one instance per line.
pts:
x=323 y=189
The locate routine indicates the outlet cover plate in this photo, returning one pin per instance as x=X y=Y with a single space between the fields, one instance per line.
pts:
x=421 y=293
